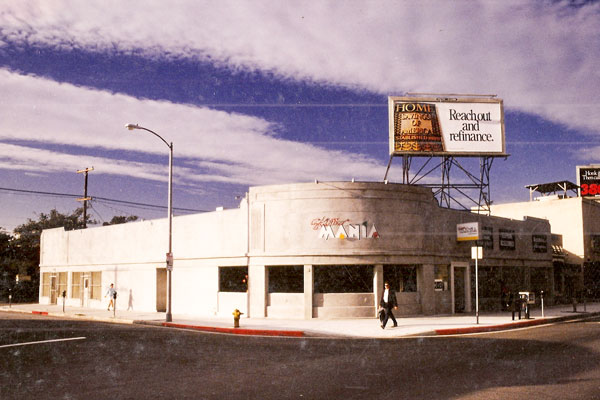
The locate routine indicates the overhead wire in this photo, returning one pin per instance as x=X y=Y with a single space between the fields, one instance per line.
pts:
x=101 y=199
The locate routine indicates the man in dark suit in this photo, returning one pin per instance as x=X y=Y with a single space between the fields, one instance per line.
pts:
x=388 y=301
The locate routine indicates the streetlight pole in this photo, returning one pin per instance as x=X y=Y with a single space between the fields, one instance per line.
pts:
x=169 y=261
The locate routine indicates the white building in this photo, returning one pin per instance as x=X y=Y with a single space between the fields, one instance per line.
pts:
x=309 y=250
x=577 y=220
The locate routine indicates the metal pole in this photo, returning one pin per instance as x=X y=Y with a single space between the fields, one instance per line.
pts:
x=169 y=261
x=85 y=186
x=542 y=295
x=476 y=288
x=85 y=197
x=169 y=317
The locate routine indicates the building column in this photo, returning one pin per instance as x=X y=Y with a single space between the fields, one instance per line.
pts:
x=551 y=283
x=377 y=284
x=257 y=290
x=308 y=291
x=527 y=278
x=425 y=281
x=452 y=293
x=468 y=301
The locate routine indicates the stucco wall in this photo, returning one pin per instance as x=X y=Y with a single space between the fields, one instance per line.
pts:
x=565 y=217
x=216 y=234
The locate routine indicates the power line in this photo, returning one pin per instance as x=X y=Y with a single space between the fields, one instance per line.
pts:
x=76 y=196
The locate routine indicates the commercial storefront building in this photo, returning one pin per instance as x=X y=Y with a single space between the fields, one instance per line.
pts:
x=313 y=250
x=577 y=220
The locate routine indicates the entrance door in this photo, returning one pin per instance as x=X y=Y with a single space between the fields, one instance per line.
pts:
x=85 y=296
x=459 y=290
x=461 y=287
x=53 y=290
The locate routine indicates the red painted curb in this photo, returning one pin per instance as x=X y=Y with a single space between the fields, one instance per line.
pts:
x=478 y=329
x=237 y=331
x=40 y=312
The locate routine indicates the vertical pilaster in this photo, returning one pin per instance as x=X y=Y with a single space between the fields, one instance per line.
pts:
x=468 y=301
x=257 y=289
x=377 y=284
x=308 y=291
x=426 y=288
x=452 y=293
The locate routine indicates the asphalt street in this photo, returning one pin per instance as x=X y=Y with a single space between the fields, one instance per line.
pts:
x=129 y=361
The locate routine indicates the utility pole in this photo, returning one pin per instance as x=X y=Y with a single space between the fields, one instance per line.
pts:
x=85 y=197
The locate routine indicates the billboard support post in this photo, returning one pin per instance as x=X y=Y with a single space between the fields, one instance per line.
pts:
x=476 y=254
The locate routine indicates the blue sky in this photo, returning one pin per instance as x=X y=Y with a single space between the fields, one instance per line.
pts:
x=266 y=92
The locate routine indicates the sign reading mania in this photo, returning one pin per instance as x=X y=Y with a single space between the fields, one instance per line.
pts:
x=432 y=126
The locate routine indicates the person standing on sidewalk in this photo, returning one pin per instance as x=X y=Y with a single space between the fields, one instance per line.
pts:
x=388 y=301
x=111 y=292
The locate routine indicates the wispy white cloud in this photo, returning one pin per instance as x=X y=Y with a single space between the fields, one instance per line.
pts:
x=23 y=158
x=209 y=145
x=540 y=56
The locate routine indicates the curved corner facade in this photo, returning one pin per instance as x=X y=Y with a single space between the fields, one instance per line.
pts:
x=313 y=250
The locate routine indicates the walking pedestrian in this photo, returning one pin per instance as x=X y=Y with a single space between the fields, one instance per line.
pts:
x=111 y=293
x=388 y=301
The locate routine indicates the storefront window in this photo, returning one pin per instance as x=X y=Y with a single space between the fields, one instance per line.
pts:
x=75 y=284
x=343 y=278
x=540 y=280
x=442 y=277
x=233 y=279
x=46 y=284
x=286 y=279
x=62 y=283
x=402 y=278
x=96 y=293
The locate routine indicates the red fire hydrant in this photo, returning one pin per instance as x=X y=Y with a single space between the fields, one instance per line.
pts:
x=236 y=318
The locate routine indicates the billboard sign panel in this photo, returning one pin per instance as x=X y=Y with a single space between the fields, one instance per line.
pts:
x=428 y=126
x=467 y=231
x=588 y=179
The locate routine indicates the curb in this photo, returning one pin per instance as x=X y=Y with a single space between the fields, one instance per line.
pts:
x=236 y=331
x=70 y=316
x=511 y=325
x=299 y=333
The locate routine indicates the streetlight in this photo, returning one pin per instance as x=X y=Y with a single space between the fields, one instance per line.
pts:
x=131 y=127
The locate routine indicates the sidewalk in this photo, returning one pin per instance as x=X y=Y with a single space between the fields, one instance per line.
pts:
x=350 y=328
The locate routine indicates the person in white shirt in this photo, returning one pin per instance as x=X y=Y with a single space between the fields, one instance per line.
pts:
x=111 y=293
x=388 y=301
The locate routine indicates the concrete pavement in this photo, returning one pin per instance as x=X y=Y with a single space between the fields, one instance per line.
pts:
x=350 y=328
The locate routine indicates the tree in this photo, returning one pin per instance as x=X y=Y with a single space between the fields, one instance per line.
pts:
x=23 y=251
x=6 y=265
x=121 y=219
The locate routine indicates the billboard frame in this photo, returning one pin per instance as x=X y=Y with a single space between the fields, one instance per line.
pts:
x=591 y=190
x=443 y=99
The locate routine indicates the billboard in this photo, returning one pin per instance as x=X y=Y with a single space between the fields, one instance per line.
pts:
x=457 y=127
x=588 y=180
